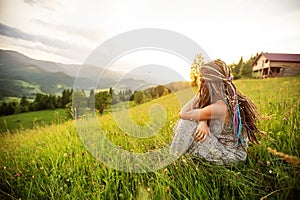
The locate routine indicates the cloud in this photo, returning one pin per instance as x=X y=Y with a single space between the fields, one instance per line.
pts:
x=57 y=47
x=57 y=55
x=47 y=4
x=91 y=35
x=12 y=32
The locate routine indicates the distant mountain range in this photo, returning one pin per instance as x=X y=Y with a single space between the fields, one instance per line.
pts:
x=21 y=75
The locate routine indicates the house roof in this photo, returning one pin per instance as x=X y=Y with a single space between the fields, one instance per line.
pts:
x=280 y=57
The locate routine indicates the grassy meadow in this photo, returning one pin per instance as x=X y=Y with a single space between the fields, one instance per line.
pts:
x=51 y=162
x=30 y=120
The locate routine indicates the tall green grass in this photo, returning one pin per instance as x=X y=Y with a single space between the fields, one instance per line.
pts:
x=30 y=120
x=52 y=163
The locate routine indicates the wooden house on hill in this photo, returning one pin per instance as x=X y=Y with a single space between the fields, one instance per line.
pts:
x=276 y=64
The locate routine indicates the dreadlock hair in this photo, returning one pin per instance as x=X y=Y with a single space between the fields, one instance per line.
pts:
x=216 y=80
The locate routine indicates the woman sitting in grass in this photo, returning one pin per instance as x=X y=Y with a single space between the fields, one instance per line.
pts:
x=219 y=121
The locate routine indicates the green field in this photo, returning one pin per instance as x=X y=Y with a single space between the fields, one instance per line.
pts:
x=31 y=120
x=51 y=162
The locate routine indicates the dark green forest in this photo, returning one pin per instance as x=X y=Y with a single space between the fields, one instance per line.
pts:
x=99 y=101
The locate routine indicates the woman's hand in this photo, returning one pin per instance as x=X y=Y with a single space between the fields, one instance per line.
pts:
x=202 y=131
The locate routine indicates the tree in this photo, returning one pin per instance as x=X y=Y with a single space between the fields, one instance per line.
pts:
x=11 y=108
x=51 y=102
x=241 y=66
x=24 y=104
x=40 y=102
x=139 y=97
x=194 y=74
x=153 y=93
x=111 y=92
x=122 y=95
x=102 y=101
x=79 y=103
x=58 y=103
x=66 y=97
x=243 y=69
x=91 y=100
x=160 y=90
x=4 y=108
x=247 y=68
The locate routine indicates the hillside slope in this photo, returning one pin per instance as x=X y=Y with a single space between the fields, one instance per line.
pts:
x=53 y=162
x=21 y=75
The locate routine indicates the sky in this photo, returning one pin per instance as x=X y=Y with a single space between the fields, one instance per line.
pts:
x=67 y=31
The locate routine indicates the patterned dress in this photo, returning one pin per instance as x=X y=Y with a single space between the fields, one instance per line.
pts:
x=220 y=148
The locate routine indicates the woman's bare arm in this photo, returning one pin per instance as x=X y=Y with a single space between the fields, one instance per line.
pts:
x=217 y=110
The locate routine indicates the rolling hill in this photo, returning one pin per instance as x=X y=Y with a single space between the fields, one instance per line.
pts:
x=21 y=75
